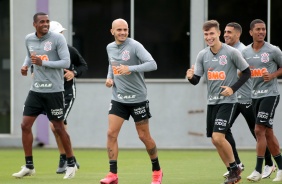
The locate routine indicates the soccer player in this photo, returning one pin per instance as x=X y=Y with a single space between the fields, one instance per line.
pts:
x=232 y=35
x=77 y=67
x=128 y=60
x=264 y=59
x=48 y=53
x=219 y=63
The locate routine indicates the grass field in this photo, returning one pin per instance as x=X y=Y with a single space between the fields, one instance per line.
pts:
x=179 y=166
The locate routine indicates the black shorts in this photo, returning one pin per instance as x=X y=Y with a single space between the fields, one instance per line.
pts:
x=138 y=111
x=50 y=103
x=219 y=117
x=264 y=109
x=69 y=100
x=246 y=109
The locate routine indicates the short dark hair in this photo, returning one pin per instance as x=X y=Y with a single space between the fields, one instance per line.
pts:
x=36 y=15
x=209 y=24
x=256 y=21
x=236 y=26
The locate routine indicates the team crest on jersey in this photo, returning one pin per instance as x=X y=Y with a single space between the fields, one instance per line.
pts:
x=264 y=57
x=222 y=60
x=125 y=55
x=47 y=46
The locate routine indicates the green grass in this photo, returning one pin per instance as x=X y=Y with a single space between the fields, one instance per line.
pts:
x=179 y=166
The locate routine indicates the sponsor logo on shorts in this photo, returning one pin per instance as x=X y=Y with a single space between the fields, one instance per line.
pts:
x=263 y=115
x=220 y=122
x=57 y=112
x=140 y=110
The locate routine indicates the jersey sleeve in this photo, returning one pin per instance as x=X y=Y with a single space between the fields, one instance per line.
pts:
x=198 y=67
x=147 y=62
x=278 y=56
x=63 y=53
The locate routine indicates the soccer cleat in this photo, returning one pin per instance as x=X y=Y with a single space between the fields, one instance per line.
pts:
x=111 y=178
x=62 y=167
x=241 y=165
x=234 y=176
x=157 y=177
x=278 y=176
x=255 y=176
x=267 y=171
x=70 y=172
x=24 y=172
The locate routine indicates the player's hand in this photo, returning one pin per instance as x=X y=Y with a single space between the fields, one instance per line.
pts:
x=24 y=70
x=267 y=77
x=35 y=60
x=190 y=72
x=69 y=75
x=227 y=91
x=123 y=70
x=109 y=82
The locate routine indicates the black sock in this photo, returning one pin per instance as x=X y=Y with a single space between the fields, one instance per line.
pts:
x=259 y=164
x=74 y=159
x=228 y=169
x=229 y=137
x=113 y=166
x=233 y=166
x=63 y=157
x=267 y=157
x=70 y=162
x=278 y=160
x=29 y=162
x=155 y=164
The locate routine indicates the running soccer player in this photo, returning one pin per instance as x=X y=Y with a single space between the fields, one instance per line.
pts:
x=77 y=67
x=232 y=35
x=48 y=53
x=264 y=59
x=128 y=60
x=219 y=63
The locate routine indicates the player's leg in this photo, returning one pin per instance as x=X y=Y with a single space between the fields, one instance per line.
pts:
x=141 y=114
x=32 y=108
x=117 y=114
x=221 y=125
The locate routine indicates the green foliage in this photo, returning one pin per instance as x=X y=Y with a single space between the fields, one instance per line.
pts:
x=179 y=166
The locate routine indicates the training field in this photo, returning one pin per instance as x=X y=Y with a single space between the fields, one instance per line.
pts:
x=179 y=166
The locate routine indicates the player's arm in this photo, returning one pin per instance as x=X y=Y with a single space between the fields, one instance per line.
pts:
x=244 y=76
x=193 y=79
x=109 y=81
x=147 y=61
x=63 y=53
x=79 y=64
x=278 y=59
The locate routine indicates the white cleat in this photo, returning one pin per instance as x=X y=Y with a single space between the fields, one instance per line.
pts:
x=24 y=172
x=70 y=172
x=255 y=176
x=278 y=176
x=267 y=171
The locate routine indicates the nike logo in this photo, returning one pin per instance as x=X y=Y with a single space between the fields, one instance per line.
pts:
x=262 y=121
x=60 y=116
x=206 y=61
x=143 y=116
x=249 y=58
x=220 y=128
x=247 y=106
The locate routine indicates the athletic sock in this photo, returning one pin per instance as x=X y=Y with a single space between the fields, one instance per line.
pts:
x=63 y=156
x=278 y=160
x=113 y=166
x=29 y=162
x=155 y=164
x=228 y=169
x=233 y=166
x=259 y=164
x=267 y=158
x=70 y=162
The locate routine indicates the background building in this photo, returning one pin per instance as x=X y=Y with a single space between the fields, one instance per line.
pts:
x=170 y=30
